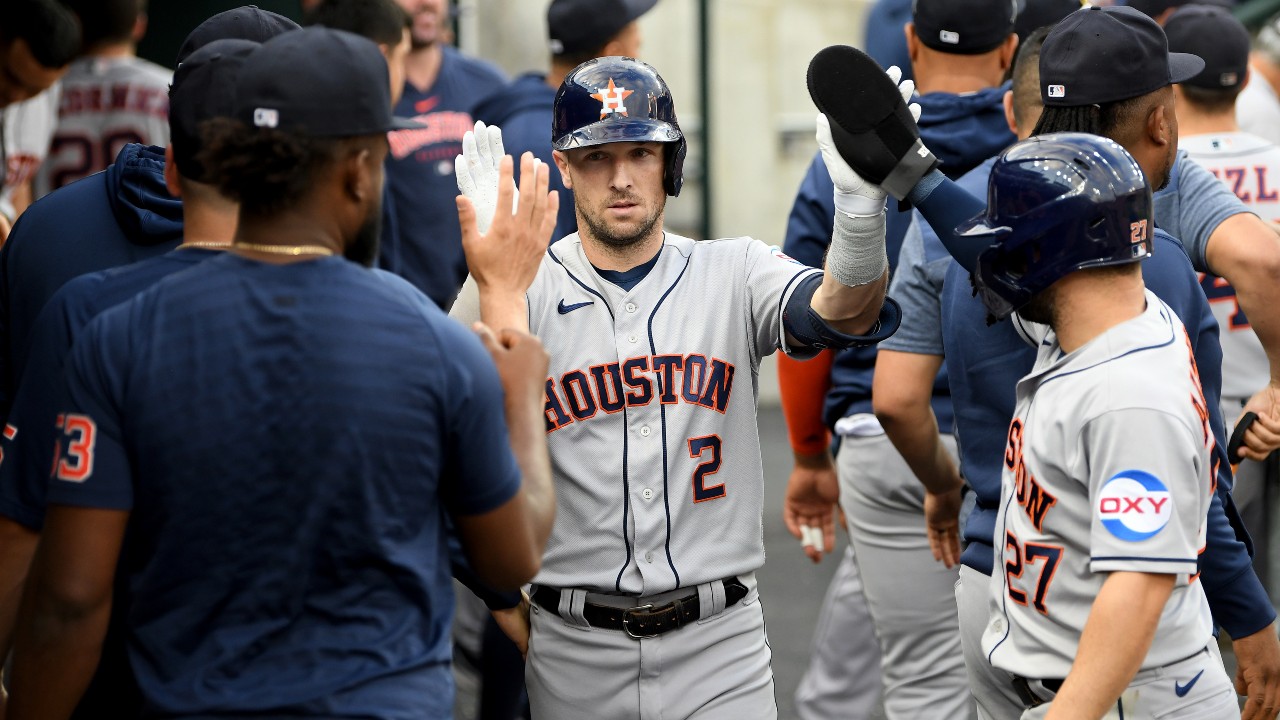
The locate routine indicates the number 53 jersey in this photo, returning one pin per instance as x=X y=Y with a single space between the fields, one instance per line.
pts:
x=1108 y=467
x=651 y=411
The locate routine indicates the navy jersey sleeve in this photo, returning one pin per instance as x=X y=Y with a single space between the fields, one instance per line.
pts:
x=812 y=216
x=32 y=433
x=480 y=471
x=92 y=467
x=1239 y=602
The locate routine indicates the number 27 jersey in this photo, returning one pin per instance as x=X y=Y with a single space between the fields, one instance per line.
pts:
x=1107 y=468
x=651 y=412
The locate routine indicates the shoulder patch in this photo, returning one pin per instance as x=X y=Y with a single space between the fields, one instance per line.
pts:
x=777 y=252
x=1134 y=505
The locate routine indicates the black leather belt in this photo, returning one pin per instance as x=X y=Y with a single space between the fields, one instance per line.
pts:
x=1022 y=686
x=645 y=620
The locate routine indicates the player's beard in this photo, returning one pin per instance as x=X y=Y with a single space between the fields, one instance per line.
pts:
x=601 y=231
x=363 y=248
x=1040 y=309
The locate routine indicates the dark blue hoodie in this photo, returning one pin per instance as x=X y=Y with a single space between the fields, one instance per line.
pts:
x=963 y=131
x=116 y=217
x=523 y=111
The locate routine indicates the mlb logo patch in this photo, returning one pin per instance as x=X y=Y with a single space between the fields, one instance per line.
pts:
x=949 y=37
x=1228 y=78
x=1057 y=91
x=266 y=117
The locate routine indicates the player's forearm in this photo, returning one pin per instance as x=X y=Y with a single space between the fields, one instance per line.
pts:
x=852 y=310
x=56 y=651
x=1129 y=606
x=802 y=387
x=503 y=309
x=17 y=545
x=914 y=434
x=526 y=427
x=1246 y=251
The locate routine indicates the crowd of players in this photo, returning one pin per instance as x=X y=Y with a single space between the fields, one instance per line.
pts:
x=188 y=580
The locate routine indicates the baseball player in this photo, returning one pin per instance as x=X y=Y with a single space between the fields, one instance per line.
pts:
x=421 y=241
x=986 y=363
x=1250 y=166
x=1108 y=468
x=109 y=97
x=959 y=52
x=647 y=586
x=38 y=39
x=345 y=610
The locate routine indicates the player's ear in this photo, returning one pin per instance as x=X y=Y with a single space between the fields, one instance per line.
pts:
x=1009 y=117
x=359 y=175
x=1008 y=50
x=562 y=164
x=913 y=43
x=1160 y=124
x=171 y=173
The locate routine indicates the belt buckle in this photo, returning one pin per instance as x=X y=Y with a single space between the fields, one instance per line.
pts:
x=626 y=618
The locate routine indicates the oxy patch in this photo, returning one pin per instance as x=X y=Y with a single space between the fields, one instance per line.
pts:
x=1134 y=505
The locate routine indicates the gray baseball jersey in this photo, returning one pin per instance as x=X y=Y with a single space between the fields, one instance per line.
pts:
x=1107 y=468
x=106 y=104
x=651 y=412
x=24 y=141
x=1250 y=166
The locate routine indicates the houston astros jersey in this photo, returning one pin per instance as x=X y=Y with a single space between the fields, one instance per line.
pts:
x=25 y=130
x=651 y=412
x=1250 y=167
x=1107 y=468
x=106 y=103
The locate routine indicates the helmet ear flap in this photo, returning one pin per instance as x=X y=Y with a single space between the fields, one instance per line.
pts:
x=673 y=175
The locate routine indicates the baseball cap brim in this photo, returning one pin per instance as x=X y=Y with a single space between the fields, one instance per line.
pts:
x=1184 y=66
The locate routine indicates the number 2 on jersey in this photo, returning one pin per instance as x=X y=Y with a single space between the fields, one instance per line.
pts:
x=698 y=446
x=1020 y=558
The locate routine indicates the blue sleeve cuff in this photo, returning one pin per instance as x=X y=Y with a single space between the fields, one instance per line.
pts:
x=1241 y=607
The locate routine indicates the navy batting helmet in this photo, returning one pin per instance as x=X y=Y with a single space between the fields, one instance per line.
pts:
x=618 y=99
x=1058 y=203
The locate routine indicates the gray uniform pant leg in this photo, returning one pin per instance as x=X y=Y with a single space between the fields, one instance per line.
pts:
x=910 y=595
x=718 y=667
x=843 y=678
x=992 y=687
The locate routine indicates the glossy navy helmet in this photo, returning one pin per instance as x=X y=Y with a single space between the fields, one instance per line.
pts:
x=619 y=99
x=1058 y=203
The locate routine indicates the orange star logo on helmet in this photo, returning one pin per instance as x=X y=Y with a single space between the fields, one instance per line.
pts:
x=611 y=99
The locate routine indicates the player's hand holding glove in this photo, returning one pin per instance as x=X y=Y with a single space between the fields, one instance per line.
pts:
x=872 y=124
x=855 y=196
x=503 y=255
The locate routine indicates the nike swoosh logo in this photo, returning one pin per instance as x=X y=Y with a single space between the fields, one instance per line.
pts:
x=566 y=309
x=1182 y=690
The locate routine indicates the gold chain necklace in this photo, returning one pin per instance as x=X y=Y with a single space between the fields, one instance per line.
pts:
x=210 y=245
x=286 y=249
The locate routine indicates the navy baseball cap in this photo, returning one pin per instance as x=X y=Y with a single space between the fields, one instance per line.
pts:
x=1155 y=7
x=320 y=83
x=1106 y=54
x=575 y=26
x=242 y=23
x=204 y=87
x=1217 y=37
x=1036 y=14
x=963 y=27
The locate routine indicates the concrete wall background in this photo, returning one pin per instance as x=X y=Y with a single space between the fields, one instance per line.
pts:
x=761 y=115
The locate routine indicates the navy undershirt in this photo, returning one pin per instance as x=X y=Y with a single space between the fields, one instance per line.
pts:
x=627 y=279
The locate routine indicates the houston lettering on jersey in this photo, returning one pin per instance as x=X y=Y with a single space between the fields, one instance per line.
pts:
x=1030 y=495
x=693 y=379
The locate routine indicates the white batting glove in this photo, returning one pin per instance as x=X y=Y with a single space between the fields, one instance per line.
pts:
x=477 y=171
x=855 y=195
